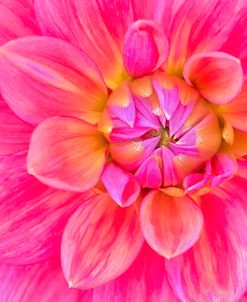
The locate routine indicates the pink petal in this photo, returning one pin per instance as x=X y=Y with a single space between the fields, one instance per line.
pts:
x=121 y=106
x=100 y=242
x=145 y=280
x=165 y=223
x=194 y=182
x=72 y=20
x=198 y=26
x=67 y=153
x=145 y=48
x=236 y=112
x=169 y=99
x=149 y=173
x=41 y=77
x=236 y=43
x=131 y=154
x=32 y=215
x=218 y=76
x=214 y=269
x=169 y=169
x=122 y=186
x=40 y=282
x=221 y=167
x=14 y=133
x=244 y=298
x=16 y=20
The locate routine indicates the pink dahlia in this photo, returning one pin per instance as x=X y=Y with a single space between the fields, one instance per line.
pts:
x=123 y=159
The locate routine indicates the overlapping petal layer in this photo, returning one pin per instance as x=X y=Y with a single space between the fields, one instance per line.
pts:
x=215 y=266
x=16 y=20
x=33 y=283
x=91 y=257
x=165 y=223
x=14 y=133
x=67 y=153
x=162 y=137
x=42 y=77
x=32 y=215
x=146 y=280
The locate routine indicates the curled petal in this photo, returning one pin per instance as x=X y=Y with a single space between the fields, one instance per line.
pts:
x=165 y=223
x=42 y=77
x=131 y=154
x=194 y=182
x=121 y=186
x=218 y=76
x=221 y=167
x=145 y=48
x=100 y=242
x=149 y=173
x=67 y=153
x=121 y=105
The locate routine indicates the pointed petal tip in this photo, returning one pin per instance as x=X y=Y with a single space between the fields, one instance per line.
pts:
x=71 y=284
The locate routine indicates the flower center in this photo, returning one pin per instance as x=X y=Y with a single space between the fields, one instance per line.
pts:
x=160 y=130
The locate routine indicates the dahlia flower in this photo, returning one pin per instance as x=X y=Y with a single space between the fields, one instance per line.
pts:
x=123 y=135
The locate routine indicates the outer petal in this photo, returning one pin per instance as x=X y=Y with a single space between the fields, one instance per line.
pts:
x=75 y=20
x=236 y=43
x=41 y=282
x=16 y=20
x=121 y=186
x=198 y=26
x=32 y=215
x=14 y=133
x=165 y=223
x=144 y=281
x=42 y=77
x=218 y=76
x=100 y=242
x=214 y=269
x=145 y=48
x=67 y=153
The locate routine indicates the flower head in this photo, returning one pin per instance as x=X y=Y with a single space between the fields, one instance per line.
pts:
x=123 y=150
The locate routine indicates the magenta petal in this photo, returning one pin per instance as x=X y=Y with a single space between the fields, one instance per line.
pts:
x=146 y=280
x=67 y=154
x=165 y=223
x=218 y=76
x=16 y=20
x=236 y=43
x=100 y=242
x=14 y=133
x=221 y=167
x=215 y=268
x=72 y=20
x=145 y=48
x=32 y=215
x=41 y=77
x=121 y=186
x=194 y=182
x=149 y=173
x=40 y=282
